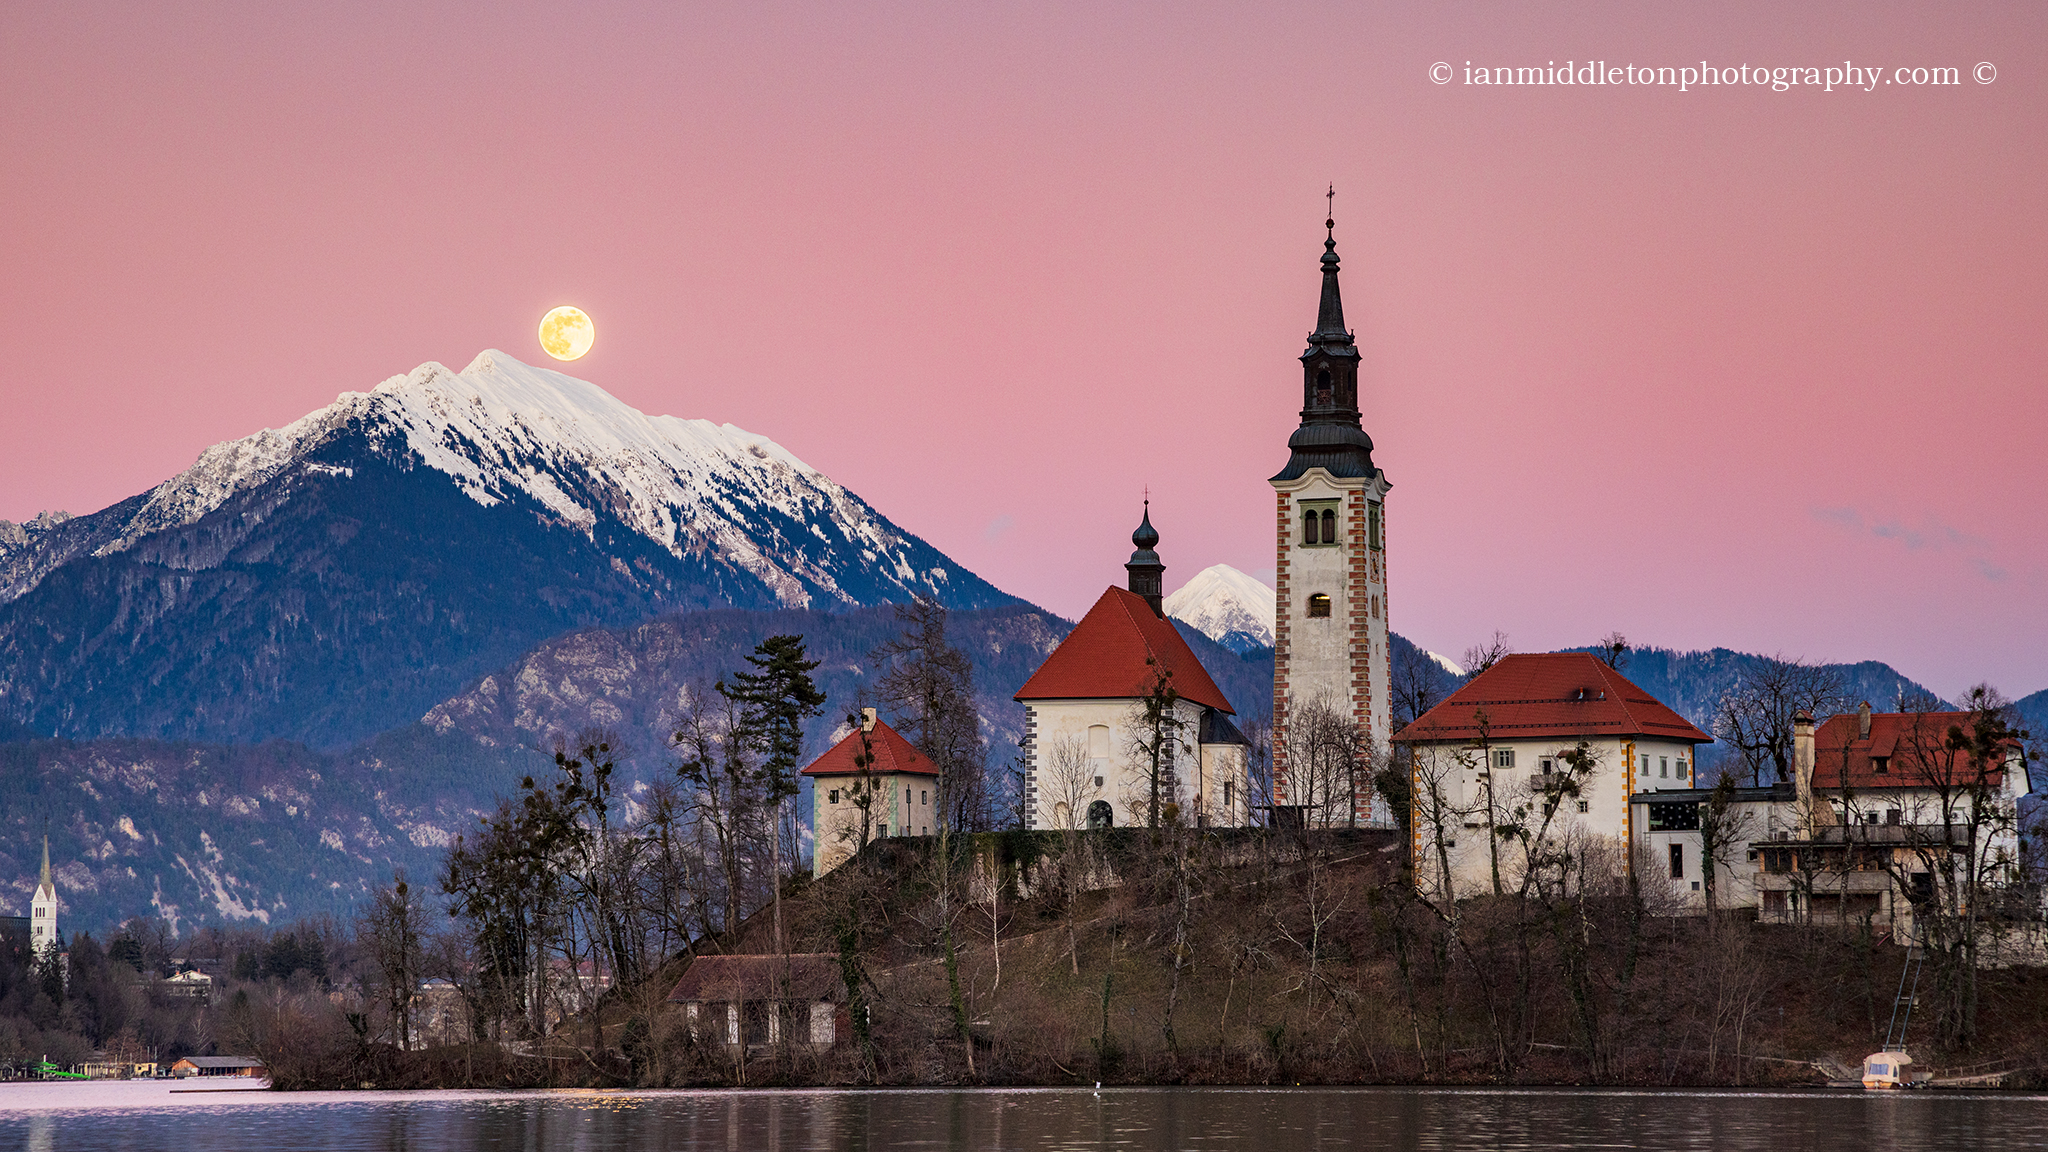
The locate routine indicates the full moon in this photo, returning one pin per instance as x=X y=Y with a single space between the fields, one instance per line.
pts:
x=565 y=333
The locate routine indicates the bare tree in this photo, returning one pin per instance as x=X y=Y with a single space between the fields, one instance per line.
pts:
x=394 y=928
x=1480 y=657
x=1153 y=744
x=1328 y=762
x=1420 y=683
x=1755 y=717
x=1962 y=838
x=1724 y=828
x=1614 y=650
x=1066 y=778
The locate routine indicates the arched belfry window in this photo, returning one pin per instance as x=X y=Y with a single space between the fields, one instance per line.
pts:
x=1318 y=604
x=1323 y=394
x=1319 y=522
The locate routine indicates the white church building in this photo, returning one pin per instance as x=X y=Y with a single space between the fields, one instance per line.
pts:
x=1088 y=759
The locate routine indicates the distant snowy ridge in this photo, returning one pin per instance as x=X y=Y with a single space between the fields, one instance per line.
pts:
x=502 y=428
x=1445 y=662
x=1229 y=607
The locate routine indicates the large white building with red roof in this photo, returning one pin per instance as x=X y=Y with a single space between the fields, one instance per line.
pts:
x=1084 y=717
x=1490 y=756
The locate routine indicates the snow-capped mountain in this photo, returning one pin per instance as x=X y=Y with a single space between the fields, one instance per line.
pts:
x=344 y=573
x=1229 y=607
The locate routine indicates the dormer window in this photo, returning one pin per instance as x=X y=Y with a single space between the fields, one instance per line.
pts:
x=1318 y=605
x=1880 y=764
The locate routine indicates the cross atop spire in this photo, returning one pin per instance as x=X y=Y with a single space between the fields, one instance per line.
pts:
x=1329 y=437
x=1330 y=315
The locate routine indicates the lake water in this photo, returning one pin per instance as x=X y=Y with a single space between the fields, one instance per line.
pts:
x=145 y=1115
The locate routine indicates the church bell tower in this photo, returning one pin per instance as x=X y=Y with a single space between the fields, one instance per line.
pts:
x=1330 y=633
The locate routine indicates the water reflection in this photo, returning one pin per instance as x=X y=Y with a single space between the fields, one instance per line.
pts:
x=63 y=1116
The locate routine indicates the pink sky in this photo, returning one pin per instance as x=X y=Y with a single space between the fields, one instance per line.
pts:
x=1723 y=367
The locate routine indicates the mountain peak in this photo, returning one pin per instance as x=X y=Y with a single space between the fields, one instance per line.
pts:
x=1229 y=607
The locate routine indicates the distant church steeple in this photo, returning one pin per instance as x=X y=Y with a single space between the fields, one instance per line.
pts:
x=1329 y=437
x=43 y=907
x=1147 y=572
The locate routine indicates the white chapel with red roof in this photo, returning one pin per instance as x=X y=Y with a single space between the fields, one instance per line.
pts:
x=1083 y=717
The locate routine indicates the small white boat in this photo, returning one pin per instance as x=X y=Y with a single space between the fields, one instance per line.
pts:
x=1889 y=1069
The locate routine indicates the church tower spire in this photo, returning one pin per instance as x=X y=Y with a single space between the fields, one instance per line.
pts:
x=43 y=907
x=1330 y=595
x=1147 y=573
x=1329 y=437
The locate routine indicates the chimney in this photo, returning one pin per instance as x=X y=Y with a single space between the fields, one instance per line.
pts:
x=1863 y=721
x=867 y=719
x=1802 y=765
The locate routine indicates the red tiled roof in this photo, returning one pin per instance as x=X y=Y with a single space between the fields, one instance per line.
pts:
x=798 y=976
x=892 y=754
x=1103 y=658
x=1913 y=745
x=1548 y=695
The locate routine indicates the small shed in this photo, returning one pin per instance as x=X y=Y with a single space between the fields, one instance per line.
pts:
x=747 y=1002
x=217 y=1066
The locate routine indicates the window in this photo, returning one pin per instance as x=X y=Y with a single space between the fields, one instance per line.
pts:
x=882 y=829
x=1675 y=816
x=906 y=797
x=1681 y=768
x=1098 y=781
x=1664 y=767
x=835 y=796
x=1372 y=526
x=1880 y=764
x=1891 y=816
x=1503 y=757
x=921 y=797
x=1319 y=522
x=1323 y=388
x=1583 y=806
x=1098 y=741
x=1678 y=861
x=1228 y=788
x=1546 y=765
x=1646 y=766
x=1319 y=605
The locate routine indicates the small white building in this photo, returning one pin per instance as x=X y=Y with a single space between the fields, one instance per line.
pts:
x=1486 y=760
x=1085 y=764
x=898 y=787
x=749 y=1005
